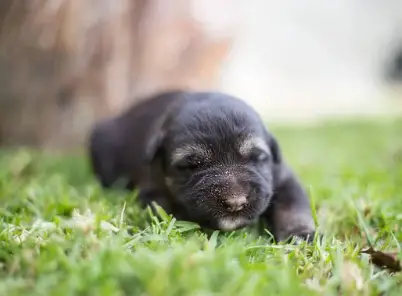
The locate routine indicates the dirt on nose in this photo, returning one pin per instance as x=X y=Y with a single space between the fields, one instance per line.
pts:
x=233 y=185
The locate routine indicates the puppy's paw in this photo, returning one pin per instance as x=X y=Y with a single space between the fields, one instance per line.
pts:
x=303 y=237
x=297 y=236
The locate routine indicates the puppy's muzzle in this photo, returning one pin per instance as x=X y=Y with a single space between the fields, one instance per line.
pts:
x=235 y=203
x=235 y=196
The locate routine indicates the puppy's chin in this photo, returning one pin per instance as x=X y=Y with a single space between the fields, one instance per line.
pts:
x=232 y=223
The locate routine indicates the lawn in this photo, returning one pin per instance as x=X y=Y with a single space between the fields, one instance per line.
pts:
x=62 y=235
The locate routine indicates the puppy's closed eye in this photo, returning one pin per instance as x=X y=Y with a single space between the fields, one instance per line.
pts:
x=189 y=163
x=259 y=156
x=189 y=157
x=254 y=149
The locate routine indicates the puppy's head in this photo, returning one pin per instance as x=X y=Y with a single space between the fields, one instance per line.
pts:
x=217 y=162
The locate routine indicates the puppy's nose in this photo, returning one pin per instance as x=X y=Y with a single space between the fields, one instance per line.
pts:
x=236 y=203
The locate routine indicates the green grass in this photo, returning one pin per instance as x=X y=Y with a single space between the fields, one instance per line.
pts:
x=61 y=235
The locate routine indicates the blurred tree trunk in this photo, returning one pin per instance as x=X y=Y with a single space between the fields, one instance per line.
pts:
x=64 y=64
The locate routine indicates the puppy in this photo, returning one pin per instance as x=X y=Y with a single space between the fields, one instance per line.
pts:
x=204 y=157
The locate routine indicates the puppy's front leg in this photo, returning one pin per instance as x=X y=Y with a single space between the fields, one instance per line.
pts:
x=147 y=196
x=289 y=213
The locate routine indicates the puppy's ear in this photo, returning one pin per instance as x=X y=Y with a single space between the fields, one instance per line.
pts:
x=103 y=144
x=158 y=133
x=154 y=145
x=155 y=154
x=279 y=169
x=275 y=149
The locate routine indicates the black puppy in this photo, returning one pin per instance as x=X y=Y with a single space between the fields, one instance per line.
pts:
x=204 y=157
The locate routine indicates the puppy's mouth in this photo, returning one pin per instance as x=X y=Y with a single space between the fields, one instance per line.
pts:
x=230 y=223
x=238 y=217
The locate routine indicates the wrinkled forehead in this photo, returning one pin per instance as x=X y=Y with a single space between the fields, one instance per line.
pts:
x=216 y=132
x=215 y=149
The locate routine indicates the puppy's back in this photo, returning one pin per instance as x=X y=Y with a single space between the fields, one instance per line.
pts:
x=117 y=146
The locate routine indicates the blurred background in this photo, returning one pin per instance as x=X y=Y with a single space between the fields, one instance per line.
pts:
x=65 y=64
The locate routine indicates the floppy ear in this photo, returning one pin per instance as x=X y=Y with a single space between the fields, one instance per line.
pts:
x=154 y=153
x=275 y=150
x=154 y=145
x=279 y=169
x=103 y=144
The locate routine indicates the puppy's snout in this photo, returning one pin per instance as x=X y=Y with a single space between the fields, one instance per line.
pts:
x=236 y=198
x=236 y=203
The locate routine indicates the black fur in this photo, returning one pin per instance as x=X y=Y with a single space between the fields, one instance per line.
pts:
x=137 y=148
